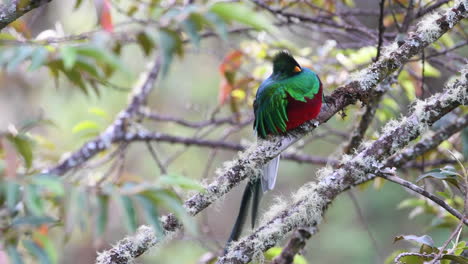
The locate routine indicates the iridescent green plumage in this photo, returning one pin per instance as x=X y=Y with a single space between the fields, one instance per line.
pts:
x=275 y=93
x=289 y=97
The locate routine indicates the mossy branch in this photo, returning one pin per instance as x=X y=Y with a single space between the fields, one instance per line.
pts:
x=13 y=10
x=312 y=200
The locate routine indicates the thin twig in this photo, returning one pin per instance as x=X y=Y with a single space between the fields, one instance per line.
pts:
x=451 y=237
x=426 y=194
x=381 y=28
x=162 y=168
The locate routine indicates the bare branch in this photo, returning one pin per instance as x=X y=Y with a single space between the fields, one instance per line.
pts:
x=210 y=122
x=214 y=144
x=421 y=191
x=381 y=28
x=294 y=245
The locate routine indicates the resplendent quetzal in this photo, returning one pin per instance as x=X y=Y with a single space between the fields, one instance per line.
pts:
x=290 y=96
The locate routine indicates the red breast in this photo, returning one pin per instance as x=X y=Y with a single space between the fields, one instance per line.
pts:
x=301 y=112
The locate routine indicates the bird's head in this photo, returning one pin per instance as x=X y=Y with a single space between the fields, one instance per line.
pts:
x=284 y=65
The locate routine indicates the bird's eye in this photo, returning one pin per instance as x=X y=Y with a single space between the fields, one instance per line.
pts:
x=297 y=69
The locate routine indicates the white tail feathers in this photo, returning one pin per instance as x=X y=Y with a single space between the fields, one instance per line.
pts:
x=270 y=171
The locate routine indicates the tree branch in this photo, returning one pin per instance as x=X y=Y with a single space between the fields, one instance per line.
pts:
x=406 y=155
x=312 y=200
x=14 y=9
x=421 y=191
x=116 y=130
x=294 y=245
x=427 y=143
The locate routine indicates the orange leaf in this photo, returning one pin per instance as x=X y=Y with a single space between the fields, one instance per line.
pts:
x=106 y=17
x=224 y=91
x=21 y=27
x=103 y=8
x=231 y=62
x=228 y=68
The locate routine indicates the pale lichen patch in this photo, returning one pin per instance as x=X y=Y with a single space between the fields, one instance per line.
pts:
x=279 y=204
x=366 y=78
x=428 y=29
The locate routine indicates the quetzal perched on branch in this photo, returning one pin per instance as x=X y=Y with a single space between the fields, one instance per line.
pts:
x=290 y=96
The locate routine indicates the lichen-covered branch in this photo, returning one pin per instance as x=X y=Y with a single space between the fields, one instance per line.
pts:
x=311 y=201
x=366 y=119
x=427 y=143
x=131 y=247
x=14 y=9
x=361 y=87
x=116 y=130
x=398 y=160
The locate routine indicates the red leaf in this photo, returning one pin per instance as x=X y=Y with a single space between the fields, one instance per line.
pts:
x=231 y=63
x=224 y=91
x=103 y=8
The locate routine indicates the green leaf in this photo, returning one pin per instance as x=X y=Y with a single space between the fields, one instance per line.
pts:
x=191 y=28
x=129 y=213
x=150 y=212
x=457 y=259
x=170 y=200
x=240 y=12
x=2 y=167
x=181 y=181
x=219 y=26
x=461 y=246
x=6 y=36
x=13 y=254
x=276 y=251
x=86 y=125
x=145 y=42
x=447 y=173
x=22 y=144
x=33 y=220
x=99 y=112
x=104 y=56
x=33 y=122
x=48 y=246
x=410 y=203
x=425 y=239
x=49 y=182
x=89 y=68
x=77 y=4
x=35 y=250
x=34 y=201
x=76 y=78
x=69 y=56
x=170 y=44
x=22 y=53
x=430 y=71
x=102 y=214
x=38 y=58
x=12 y=194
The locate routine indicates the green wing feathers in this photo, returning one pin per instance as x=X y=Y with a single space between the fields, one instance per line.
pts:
x=272 y=100
x=270 y=112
